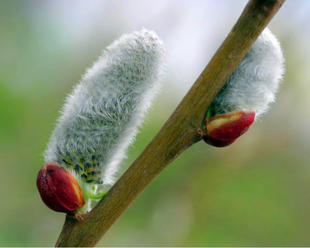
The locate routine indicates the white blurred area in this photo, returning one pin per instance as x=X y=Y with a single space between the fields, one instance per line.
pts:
x=191 y=30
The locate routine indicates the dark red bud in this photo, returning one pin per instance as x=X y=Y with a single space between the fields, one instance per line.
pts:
x=59 y=190
x=222 y=130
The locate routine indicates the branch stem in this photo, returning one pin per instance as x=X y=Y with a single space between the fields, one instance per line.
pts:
x=178 y=133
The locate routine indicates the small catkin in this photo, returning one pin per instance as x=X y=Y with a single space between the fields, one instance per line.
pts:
x=101 y=116
x=252 y=86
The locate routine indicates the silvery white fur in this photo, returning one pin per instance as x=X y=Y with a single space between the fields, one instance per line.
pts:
x=252 y=86
x=101 y=116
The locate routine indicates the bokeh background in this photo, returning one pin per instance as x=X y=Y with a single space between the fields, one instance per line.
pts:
x=255 y=192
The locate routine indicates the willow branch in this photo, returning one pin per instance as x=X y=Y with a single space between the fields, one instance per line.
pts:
x=178 y=133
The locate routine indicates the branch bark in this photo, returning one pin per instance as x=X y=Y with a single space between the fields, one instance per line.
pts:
x=178 y=133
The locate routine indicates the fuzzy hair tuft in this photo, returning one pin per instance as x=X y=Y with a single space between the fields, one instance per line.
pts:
x=101 y=116
x=253 y=85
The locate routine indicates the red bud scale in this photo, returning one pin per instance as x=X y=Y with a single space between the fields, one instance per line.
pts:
x=58 y=189
x=222 y=130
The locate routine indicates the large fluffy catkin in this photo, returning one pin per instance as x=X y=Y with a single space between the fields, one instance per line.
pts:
x=101 y=116
x=252 y=86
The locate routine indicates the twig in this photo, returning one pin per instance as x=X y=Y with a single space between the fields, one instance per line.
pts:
x=178 y=133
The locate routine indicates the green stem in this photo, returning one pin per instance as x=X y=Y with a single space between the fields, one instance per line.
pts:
x=96 y=196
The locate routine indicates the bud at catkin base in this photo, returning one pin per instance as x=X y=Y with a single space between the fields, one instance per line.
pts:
x=222 y=130
x=100 y=118
x=247 y=93
x=59 y=190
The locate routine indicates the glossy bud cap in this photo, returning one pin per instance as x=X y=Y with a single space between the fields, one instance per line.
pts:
x=58 y=188
x=222 y=130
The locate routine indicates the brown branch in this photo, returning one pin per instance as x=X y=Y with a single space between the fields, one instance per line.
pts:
x=178 y=133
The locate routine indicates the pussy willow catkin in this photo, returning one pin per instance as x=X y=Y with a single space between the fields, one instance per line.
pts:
x=101 y=116
x=247 y=93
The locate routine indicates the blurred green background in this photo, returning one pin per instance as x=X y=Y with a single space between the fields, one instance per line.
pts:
x=255 y=192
